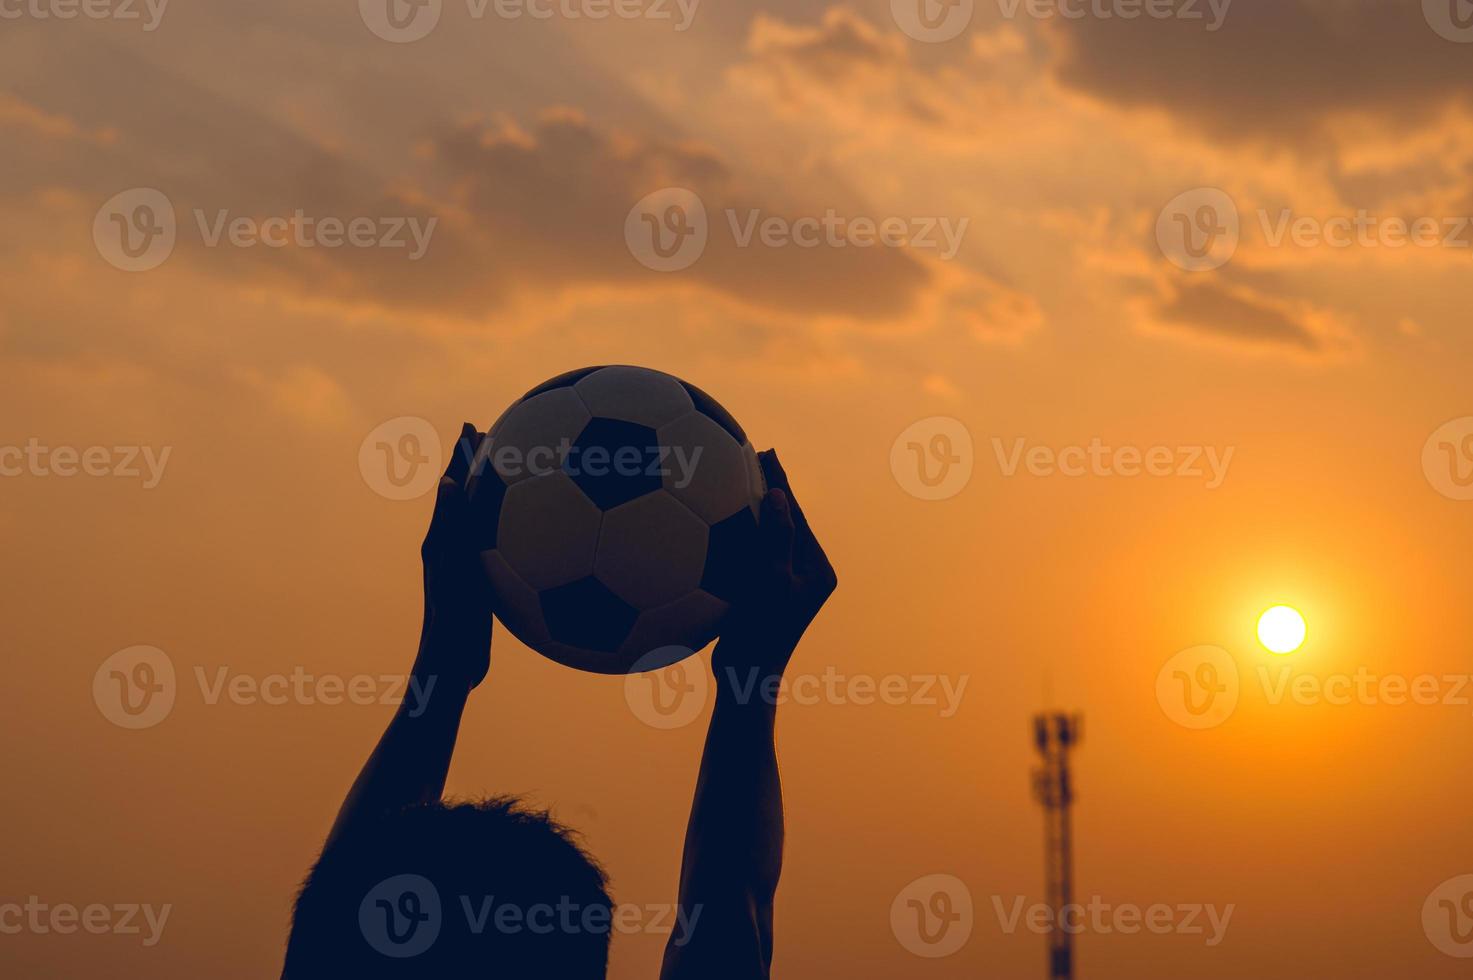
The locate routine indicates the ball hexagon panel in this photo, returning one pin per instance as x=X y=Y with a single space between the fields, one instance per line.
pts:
x=708 y=474
x=634 y=394
x=651 y=550
x=586 y=614
x=694 y=619
x=614 y=462
x=731 y=550
x=712 y=409
x=516 y=602
x=565 y=380
x=549 y=531
x=529 y=438
x=485 y=493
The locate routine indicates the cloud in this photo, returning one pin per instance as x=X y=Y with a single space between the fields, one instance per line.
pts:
x=1217 y=311
x=1284 y=71
x=16 y=113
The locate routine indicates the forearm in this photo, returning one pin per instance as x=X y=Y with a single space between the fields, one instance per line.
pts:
x=734 y=845
x=411 y=762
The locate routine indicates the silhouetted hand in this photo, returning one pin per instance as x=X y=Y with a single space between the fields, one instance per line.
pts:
x=791 y=580
x=456 y=643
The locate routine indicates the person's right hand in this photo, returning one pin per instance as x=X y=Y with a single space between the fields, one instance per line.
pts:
x=790 y=581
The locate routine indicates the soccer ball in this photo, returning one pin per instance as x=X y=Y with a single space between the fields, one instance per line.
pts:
x=615 y=510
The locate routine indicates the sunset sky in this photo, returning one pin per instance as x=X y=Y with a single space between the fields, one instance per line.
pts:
x=1315 y=366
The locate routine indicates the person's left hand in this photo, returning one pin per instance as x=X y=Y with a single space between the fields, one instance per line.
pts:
x=456 y=644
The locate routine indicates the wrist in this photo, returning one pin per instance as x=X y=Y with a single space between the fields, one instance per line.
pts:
x=747 y=686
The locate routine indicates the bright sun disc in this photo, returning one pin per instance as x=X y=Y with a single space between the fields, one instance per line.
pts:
x=1281 y=629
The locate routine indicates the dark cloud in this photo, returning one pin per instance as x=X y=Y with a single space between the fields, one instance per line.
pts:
x=533 y=210
x=1211 y=309
x=1276 y=69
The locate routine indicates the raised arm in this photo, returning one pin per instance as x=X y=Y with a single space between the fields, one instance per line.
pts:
x=734 y=844
x=412 y=759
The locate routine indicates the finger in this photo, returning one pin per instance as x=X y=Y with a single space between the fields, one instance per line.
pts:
x=772 y=469
x=775 y=531
x=451 y=516
x=463 y=453
x=810 y=553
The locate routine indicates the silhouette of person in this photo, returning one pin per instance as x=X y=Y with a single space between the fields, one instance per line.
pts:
x=410 y=886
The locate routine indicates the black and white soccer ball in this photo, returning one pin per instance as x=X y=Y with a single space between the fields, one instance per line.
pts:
x=615 y=509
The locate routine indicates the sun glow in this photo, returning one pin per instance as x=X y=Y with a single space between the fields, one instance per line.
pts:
x=1282 y=629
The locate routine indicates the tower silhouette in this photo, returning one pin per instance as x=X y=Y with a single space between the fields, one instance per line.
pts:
x=1055 y=735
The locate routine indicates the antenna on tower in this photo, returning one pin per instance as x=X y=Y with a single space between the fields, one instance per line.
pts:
x=1055 y=735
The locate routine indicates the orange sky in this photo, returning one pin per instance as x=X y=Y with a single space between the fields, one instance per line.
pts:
x=1061 y=319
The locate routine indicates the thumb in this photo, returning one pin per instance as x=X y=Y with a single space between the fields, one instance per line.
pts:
x=775 y=531
x=450 y=512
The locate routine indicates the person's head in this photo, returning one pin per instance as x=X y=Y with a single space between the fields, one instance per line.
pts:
x=489 y=889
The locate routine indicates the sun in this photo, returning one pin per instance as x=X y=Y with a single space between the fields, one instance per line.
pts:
x=1281 y=629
